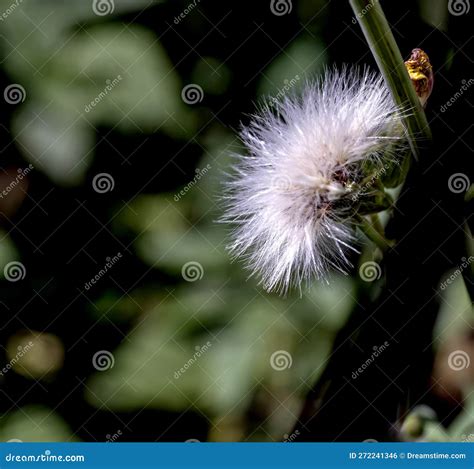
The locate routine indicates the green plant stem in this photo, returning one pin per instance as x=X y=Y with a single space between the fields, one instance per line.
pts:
x=379 y=36
x=374 y=230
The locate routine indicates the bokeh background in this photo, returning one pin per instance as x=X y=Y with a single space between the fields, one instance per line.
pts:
x=123 y=318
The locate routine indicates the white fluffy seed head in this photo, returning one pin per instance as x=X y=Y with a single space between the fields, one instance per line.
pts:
x=291 y=199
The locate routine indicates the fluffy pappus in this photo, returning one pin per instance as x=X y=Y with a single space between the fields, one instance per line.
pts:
x=291 y=198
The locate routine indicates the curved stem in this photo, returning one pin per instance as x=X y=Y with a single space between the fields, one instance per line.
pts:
x=375 y=232
x=390 y=62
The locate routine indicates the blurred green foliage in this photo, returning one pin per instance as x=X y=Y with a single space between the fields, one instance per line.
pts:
x=63 y=54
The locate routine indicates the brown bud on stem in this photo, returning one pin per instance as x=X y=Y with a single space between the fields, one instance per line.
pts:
x=421 y=74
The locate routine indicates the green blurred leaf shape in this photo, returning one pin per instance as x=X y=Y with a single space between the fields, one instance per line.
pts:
x=8 y=252
x=303 y=59
x=124 y=71
x=212 y=74
x=34 y=424
x=456 y=309
x=219 y=381
x=168 y=237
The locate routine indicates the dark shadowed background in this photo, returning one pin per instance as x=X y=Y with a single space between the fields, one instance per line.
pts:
x=122 y=318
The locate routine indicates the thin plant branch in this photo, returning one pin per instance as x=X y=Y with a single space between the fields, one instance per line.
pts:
x=380 y=38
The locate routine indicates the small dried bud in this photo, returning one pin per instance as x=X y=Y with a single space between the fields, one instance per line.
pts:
x=421 y=74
